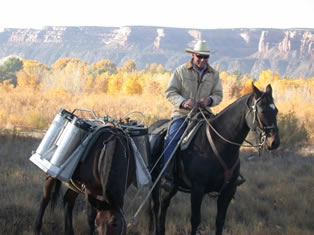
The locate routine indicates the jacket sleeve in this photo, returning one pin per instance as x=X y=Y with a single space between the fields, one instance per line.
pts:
x=173 y=91
x=216 y=94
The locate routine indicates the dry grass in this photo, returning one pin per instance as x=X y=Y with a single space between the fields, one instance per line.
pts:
x=276 y=199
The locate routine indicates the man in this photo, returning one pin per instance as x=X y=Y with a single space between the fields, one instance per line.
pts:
x=191 y=84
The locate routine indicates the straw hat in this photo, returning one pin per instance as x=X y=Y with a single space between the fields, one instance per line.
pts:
x=200 y=48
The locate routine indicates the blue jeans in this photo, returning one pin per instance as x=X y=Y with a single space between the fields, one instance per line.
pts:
x=175 y=125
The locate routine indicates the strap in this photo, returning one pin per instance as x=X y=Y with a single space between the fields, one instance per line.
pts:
x=228 y=172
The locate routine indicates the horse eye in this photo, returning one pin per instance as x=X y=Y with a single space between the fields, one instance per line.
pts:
x=272 y=106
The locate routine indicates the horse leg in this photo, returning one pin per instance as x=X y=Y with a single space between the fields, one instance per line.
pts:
x=48 y=187
x=69 y=202
x=153 y=212
x=165 y=198
x=223 y=202
x=159 y=203
x=197 y=194
x=91 y=212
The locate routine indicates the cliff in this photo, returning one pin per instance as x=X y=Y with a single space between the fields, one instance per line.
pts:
x=287 y=51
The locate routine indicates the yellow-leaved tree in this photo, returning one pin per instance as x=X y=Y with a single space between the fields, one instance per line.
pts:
x=132 y=85
x=32 y=74
x=69 y=74
x=267 y=77
x=115 y=82
x=128 y=66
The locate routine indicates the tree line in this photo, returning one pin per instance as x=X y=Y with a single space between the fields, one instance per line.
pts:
x=31 y=92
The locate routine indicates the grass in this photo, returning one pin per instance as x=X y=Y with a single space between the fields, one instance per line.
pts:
x=276 y=199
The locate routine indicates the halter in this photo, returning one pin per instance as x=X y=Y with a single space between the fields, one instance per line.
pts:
x=264 y=130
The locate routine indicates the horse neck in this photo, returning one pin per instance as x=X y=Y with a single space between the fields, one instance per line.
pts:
x=231 y=122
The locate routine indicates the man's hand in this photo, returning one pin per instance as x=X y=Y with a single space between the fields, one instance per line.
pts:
x=189 y=104
x=205 y=102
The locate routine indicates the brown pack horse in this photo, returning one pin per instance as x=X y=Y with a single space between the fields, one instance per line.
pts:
x=211 y=162
x=106 y=174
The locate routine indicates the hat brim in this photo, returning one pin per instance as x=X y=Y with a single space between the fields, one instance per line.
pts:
x=188 y=50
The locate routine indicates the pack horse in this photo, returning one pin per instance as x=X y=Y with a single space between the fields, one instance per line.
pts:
x=99 y=160
x=211 y=161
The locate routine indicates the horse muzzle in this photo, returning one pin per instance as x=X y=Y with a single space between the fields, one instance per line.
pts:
x=110 y=223
x=272 y=142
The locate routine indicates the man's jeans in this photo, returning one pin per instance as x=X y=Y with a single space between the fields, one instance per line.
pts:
x=172 y=134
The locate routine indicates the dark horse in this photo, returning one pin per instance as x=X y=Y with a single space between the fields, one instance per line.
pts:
x=104 y=177
x=50 y=195
x=211 y=161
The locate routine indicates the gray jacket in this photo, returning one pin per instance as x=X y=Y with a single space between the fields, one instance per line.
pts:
x=185 y=83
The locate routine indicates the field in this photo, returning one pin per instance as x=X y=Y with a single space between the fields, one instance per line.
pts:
x=276 y=199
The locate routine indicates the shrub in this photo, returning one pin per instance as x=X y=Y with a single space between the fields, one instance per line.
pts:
x=35 y=119
x=292 y=132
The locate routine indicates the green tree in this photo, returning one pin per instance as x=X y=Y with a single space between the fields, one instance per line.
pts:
x=9 y=69
x=13 y=64
x=102 y=66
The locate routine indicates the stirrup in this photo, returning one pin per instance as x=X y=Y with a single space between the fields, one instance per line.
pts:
x=214 y=195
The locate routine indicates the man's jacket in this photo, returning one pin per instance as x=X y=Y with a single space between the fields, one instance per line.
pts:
x=185 y=83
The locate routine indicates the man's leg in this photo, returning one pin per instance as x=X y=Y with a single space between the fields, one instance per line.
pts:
x=175 y=132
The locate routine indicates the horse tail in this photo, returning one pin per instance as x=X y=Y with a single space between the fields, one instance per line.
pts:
x=55 y=194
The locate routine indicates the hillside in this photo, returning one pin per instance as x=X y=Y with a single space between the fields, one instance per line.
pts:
x=287 y=51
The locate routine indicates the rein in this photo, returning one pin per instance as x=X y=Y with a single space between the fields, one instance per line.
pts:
x=229 y=141
x=228 y=172
x=256 y=117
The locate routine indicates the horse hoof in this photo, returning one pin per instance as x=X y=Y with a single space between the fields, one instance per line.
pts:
x=240 y=180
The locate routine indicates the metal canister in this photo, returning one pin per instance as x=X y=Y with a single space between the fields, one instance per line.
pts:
x=59 y=122
x=71 y=137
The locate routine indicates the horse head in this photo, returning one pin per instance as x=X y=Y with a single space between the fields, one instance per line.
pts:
x=110 y=222
x=262 y=117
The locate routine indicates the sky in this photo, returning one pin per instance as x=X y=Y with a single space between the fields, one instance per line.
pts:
x=198 y=14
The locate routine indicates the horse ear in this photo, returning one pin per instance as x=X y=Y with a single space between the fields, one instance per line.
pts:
x=269 y=89
x=257 y=93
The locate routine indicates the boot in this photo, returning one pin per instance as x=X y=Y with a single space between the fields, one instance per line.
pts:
x=240 y=180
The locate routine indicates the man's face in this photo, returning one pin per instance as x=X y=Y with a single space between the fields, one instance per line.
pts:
x=200 y=60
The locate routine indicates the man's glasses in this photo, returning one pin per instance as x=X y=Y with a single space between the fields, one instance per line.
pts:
x=202 y=56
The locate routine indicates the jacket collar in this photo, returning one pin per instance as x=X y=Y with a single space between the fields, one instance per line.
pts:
x=189 y=65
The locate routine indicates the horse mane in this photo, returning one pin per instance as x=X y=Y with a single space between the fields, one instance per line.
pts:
x=245 y=97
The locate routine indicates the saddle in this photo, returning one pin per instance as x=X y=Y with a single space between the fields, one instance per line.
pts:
x=157 y=136
x=194 y=124
x=192 y=129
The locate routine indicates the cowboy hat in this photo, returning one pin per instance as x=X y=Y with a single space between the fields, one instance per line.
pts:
x=200 y=48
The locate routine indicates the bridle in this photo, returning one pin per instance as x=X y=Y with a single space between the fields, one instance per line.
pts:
x=256 y=117
x=228 y=172
x=261 y=129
